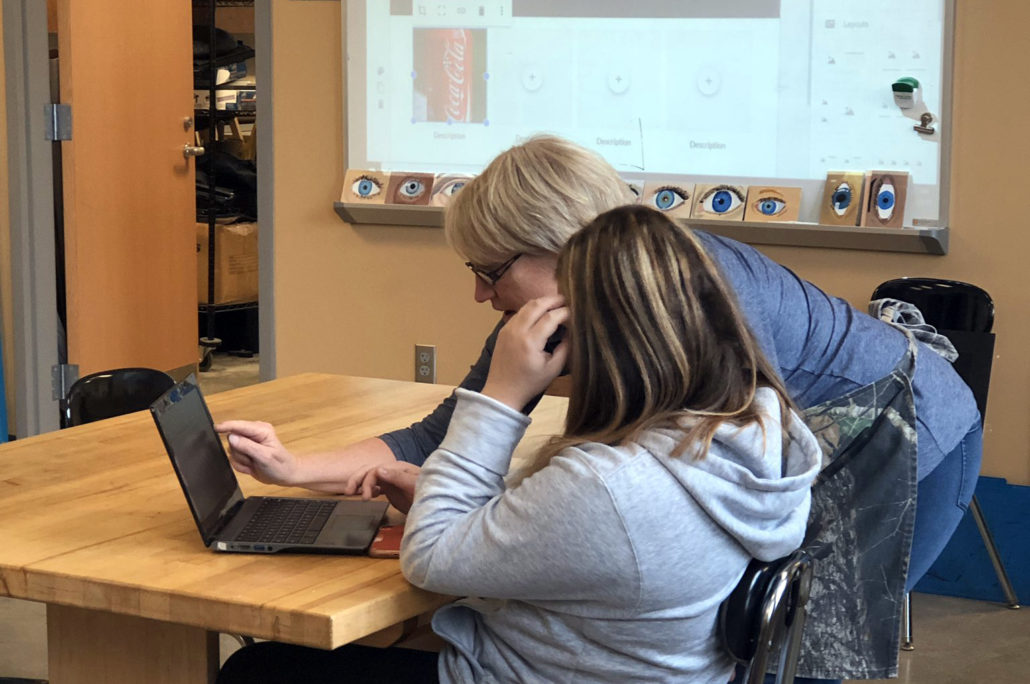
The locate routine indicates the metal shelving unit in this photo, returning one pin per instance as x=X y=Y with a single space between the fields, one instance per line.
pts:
x=212 y=118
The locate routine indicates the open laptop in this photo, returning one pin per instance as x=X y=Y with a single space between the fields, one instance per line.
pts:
x=227 y=520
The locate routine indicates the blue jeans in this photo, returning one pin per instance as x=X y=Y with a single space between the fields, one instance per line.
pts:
x=942 y=498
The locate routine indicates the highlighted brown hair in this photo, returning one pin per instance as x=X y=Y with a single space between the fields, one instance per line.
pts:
x=657 y=338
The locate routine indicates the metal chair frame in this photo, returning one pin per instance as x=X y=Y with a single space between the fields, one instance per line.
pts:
x=765 y=616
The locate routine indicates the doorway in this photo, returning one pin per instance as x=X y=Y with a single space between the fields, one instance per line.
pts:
x=34 y=329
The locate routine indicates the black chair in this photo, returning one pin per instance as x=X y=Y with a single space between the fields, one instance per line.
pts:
x=765 y=615
x=963 y=313
x=112 y=393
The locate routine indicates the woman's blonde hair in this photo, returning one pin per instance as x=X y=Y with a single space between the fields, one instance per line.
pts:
x=656 y=336
x=531 y=199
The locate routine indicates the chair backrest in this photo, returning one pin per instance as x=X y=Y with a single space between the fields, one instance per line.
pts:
x=945 y=304
x=765 y=615
x=962 y=312
x=112 y=393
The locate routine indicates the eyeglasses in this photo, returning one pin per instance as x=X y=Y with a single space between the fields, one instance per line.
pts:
x=491 y=277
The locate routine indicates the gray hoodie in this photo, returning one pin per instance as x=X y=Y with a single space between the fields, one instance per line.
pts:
x=609 y=564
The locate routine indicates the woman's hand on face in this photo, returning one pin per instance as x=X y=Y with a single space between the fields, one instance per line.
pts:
x=521 y=368
x=255 y=450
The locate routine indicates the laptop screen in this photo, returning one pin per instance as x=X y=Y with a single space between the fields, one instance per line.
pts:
x=197 y=455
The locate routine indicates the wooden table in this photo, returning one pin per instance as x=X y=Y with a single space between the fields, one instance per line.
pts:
x=94 y=524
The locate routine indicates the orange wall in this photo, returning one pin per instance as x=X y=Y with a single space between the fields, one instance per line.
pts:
x=356 y=299
x=350 y=299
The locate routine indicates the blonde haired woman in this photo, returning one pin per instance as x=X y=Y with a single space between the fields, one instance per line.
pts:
x=681 y=460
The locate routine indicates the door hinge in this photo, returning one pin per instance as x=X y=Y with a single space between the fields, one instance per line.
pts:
x=62 y=377
x=58 y=121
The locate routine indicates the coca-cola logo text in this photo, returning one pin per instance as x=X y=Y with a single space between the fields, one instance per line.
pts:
x=455 y=62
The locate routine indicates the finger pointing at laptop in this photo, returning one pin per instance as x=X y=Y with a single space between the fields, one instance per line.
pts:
x=255 y=450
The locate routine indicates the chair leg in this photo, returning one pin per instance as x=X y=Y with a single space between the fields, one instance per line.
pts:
x=992 y=551
x=907 y=642
x=243 y=640
x=788 y=665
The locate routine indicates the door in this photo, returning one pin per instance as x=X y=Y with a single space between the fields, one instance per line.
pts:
x=129 y=193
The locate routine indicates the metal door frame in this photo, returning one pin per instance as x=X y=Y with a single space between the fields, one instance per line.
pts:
x=31 y=196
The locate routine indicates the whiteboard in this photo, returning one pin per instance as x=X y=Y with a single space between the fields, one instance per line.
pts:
x=753 y=92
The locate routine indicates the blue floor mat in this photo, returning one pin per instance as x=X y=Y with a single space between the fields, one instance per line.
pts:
x=964 y=569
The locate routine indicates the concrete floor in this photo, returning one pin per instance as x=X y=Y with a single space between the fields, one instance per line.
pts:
x=958 y=641
x=228 y=372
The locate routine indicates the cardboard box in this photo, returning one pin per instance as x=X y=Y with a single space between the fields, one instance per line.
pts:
x=223 y=98
x=236 y=263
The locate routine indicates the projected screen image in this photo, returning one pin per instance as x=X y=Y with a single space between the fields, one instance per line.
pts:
x=449 y=75
x=763 y=89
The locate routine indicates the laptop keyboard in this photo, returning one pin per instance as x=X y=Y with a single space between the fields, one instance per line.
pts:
x=287 y=521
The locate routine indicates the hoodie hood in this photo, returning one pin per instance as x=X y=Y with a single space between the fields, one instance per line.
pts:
x=755 y=488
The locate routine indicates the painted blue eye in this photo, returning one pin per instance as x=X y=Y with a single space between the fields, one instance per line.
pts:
x=450 y=189
x=446 y=186
x=412 y=189
x=366 y=187
x=885 y=201
x=771 y=206
x=668 y=198
x=721 y=200
x=841 y=199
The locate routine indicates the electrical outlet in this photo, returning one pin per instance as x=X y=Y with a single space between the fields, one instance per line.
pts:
x=425 y=363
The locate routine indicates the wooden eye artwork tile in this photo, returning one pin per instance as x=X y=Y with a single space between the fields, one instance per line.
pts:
x=883 y=202
x=772 y=204
x=719 y=201
x=842 y=198
x=445 y=186
x=368 y=187
x=671 y=197
x=636 y=186
x=409 y=188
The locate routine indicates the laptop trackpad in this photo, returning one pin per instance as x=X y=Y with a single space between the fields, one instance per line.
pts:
x=353 y=531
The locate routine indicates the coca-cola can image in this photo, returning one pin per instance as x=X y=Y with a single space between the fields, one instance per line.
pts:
x=449 y=75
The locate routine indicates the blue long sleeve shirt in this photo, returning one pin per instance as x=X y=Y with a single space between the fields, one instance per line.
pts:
x=822 y=346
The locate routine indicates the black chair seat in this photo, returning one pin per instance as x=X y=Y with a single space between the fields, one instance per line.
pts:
x=962 y=312
x=947 y=304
